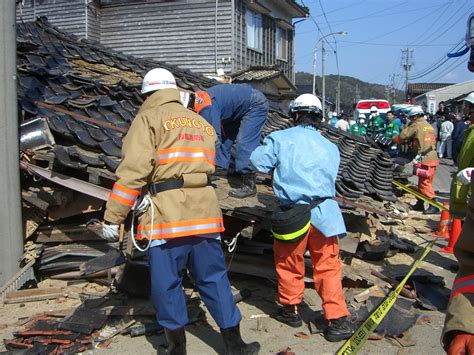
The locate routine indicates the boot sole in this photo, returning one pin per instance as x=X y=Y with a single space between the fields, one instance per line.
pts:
x=232 y=195
x=336 y=338
x=291 y=324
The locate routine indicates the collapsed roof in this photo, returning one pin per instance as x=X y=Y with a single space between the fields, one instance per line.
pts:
x=89 y=95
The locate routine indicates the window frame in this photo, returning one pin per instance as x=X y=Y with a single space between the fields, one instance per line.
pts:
x=254 y=38
x=281 y=43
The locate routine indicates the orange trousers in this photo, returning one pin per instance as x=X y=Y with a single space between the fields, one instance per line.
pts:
x=327 y=272
x=425 y=184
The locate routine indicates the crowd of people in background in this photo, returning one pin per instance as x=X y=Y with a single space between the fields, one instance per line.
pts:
x=449 y=128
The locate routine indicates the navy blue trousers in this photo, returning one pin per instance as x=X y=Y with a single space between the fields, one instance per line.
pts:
x=245 y=133
x=205 y=261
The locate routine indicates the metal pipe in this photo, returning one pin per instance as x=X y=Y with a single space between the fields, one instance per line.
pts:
x=11 y=229
x=323 y=52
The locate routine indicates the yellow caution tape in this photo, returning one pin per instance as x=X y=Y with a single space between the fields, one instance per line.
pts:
x=419 y=195
x=360 y=336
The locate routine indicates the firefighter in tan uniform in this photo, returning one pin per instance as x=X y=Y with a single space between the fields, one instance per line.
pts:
x=423 y=139
x=458 y=333
x=167 y=155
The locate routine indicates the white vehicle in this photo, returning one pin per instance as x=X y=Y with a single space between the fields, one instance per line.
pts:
x=364 y=106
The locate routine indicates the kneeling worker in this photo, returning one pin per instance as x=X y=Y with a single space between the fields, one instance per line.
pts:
x=300 y=179
x=183 y=220
x=237 y=112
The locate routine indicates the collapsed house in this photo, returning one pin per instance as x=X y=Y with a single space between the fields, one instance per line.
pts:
x=76 y=101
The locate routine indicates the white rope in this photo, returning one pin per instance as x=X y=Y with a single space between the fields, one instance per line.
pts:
x=141 y=208
x=232 y=244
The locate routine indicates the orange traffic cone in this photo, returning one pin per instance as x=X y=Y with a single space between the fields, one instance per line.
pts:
x=455 y=232
x=443 y=223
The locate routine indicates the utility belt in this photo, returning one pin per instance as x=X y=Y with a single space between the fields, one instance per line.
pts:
x=419 y=157
x=187 y=180
x=291 y=223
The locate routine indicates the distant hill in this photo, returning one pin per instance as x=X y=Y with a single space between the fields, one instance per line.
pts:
x=348 y=89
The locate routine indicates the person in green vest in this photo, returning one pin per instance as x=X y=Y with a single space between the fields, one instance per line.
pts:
x=359 y=128
x=376 y=123
x=391 y=131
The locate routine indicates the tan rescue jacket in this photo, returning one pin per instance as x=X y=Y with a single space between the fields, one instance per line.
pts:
x=460 y=312
x=422 y=137
x=167 y=141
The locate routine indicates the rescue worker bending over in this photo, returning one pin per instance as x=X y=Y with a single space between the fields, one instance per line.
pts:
x=237 y=112
x=305 y=166
x=423 y=142
x=376 y=124
x=458 y=333
x=358 y=128
x=168 y=153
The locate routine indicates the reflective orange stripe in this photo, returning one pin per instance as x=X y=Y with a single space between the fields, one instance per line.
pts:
x=186 y=160
x=121 y=199
x=201 y=101
x=186 y=154
x=182 y=223
x=122 y=188
x=181 y=229
x=123 y=194
x=187 y=149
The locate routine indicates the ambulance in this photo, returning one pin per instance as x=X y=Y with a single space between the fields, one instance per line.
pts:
x=363 y=106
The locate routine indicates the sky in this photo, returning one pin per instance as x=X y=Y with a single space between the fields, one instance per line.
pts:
x=378 y=30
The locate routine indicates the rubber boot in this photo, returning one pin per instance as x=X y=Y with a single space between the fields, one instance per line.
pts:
x=290 y=316
x=419 y=206
x=339 y=329
x=431 y=209
x=234 y=345
x=247 y=188
x=176 y=342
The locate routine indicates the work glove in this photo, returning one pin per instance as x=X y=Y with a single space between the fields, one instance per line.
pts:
x=464 y=176
x=462 y=344
x=110 y=232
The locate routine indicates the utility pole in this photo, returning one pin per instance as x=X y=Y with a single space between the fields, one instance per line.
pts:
x=407 y=58
x=11 y=229
x=323 y=55
x=338 y=95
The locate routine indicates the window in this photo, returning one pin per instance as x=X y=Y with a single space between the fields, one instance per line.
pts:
x=281 y=43
x=254 y=30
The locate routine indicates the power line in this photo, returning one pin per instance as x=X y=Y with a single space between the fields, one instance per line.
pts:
x=436 y=65
x=455 y=64
x=428 y=28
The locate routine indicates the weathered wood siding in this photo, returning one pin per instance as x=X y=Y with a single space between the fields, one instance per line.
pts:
x=179 y=33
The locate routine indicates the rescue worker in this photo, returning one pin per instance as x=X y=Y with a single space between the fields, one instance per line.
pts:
x=423 y=144
x=458 y=333
x=359 y=128
x=168 y=154
x=237 y=112
x=300 y=178
x=391 y=131
x=376 y=123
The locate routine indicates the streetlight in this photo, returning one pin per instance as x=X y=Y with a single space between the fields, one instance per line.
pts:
x=342 y=33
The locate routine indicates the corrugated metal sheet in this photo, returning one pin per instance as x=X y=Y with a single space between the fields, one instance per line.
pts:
x=177 y=33
x=65 y=14
x=93 y=22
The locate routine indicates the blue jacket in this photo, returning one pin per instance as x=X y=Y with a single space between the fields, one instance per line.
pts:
x=305 y=167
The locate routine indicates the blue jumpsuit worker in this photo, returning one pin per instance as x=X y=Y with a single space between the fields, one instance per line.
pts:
x=305 y=166
x=237 y=112
x=168 y=153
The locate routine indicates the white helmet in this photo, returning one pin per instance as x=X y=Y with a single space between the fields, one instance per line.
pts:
x=373 y=109
x=306 y=103
x=334 y=114
x=416 y=111
x=361 y=115
x=157 y=79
